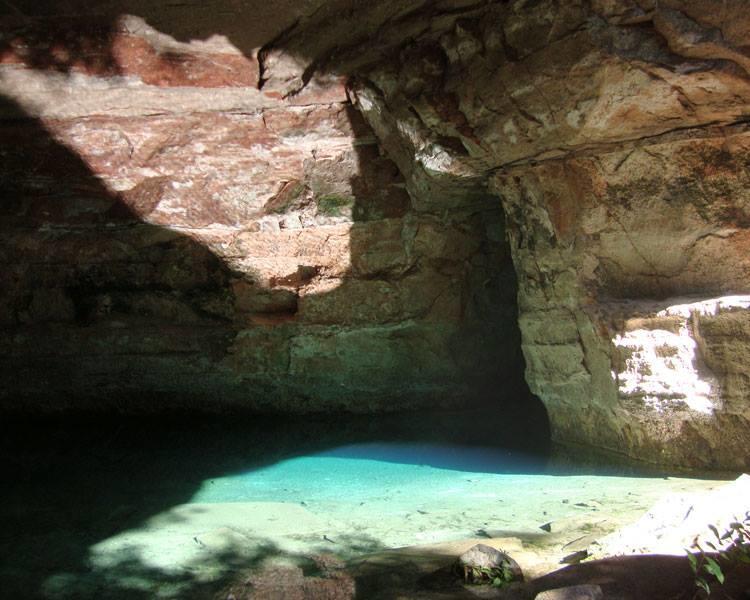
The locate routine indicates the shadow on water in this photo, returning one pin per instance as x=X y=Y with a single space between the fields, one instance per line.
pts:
x=75 y=484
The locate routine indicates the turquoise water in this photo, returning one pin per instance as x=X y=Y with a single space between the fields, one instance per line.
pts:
x=363 y=472
x=405 y=493
x=151 y=510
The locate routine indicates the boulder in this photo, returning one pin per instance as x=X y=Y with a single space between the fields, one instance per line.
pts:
x=485 y=564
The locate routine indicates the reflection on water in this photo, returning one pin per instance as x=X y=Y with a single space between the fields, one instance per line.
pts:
x=129 y=509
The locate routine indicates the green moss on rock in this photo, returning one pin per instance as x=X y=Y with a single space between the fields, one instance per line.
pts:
x=332 y=204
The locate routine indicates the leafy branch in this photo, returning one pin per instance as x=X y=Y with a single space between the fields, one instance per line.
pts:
x=732 y=547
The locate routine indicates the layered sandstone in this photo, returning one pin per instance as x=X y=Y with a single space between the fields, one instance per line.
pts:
x=335 y=262
x=175 y=237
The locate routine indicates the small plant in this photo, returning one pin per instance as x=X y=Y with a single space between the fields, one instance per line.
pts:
x=731 y=549
x=498 y=576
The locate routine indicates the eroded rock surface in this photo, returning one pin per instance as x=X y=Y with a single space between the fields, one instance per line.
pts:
x=615 y=136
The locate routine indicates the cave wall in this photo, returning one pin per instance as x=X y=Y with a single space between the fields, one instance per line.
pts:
x=615 y=137
x=361 y=174
x=174 y=237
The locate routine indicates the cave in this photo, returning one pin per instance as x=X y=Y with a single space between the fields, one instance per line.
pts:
x=287 y=286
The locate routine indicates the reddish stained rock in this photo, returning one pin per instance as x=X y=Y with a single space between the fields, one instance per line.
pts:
x=200 y=169
x=80 y=44
x=134 y=56
x=100 y=47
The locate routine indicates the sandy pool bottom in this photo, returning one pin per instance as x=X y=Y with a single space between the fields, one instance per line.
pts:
x=360 y=500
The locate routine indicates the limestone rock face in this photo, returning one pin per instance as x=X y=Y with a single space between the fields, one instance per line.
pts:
x=608 y=240
x=179 y=233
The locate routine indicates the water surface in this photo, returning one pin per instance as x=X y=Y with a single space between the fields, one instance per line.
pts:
x=143 y=509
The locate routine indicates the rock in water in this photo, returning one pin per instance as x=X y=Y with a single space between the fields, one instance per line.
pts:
x=575 y=557
x=573 y=592
x=483 y=564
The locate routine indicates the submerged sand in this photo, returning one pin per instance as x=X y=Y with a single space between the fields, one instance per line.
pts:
x=142 y=513
x=361 y=510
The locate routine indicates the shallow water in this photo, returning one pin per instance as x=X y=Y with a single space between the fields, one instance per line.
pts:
x=402 y=493
x=143 y=510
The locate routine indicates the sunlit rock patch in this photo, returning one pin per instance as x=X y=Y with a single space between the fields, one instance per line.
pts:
x=660 y=356
x=659 y=362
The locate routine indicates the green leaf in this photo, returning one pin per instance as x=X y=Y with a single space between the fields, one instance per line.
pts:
x=714 y=569
x=703 y=584
x=715 y=531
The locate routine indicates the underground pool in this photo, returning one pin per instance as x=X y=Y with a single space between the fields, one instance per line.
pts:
x=135 y=510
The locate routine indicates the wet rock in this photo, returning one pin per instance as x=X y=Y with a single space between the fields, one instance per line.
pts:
x=289 y=582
